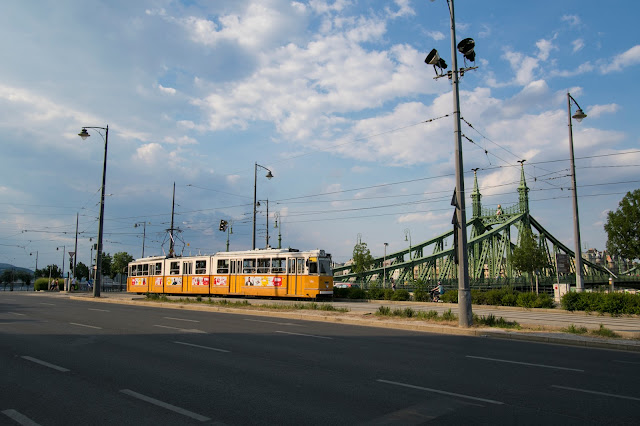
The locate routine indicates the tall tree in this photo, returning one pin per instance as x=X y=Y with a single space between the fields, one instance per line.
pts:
x=44 y=272
x=362 y=258
x=622 y=227
x=119 y=263
x=529 y=256
x=82 y=271
x=106 y=264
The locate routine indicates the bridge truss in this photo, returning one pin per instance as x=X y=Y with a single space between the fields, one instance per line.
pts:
x=490 y=248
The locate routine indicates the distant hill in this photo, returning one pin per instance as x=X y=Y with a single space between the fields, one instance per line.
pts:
x=4 y=266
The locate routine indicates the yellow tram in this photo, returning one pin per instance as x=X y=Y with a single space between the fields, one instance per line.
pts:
x=261 y=272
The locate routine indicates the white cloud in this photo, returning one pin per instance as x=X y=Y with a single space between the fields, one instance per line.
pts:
x=544 y=48
x=578 y=45
x=167 y=90
x=436 y=35
x=404 y=9
x=572 y=20
x=598 y=110
x=623 y=60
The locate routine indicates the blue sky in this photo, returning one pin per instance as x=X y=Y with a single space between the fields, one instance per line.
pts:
x=332 y=96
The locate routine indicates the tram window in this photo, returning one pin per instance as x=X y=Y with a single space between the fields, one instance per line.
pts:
x=278 y=265
x=300 y=266
x=233 y=267
x=264 y=266
x=313 y=267
x=292 y=266
x=249 y=266
x=158 y=268
x=201 y=267
x=223 y=266
x=145 y=269
x=174 y=268
x=139 y=270
x=132 y=270
x=187 y=268
x=325 y=266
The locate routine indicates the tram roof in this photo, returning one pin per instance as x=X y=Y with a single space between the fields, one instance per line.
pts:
x=258 y=251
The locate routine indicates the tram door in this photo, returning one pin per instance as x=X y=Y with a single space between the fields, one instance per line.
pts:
x=236 y=284
x=291 y=281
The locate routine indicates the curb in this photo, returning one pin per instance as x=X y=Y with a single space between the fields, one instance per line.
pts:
x=549 y=338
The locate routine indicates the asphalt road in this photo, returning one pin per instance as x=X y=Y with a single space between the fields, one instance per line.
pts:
x=69 y=361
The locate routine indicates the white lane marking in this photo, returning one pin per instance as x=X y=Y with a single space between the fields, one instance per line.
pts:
x=48 y=304
x=625 y=362
x=11 y=300
x=305 y=335
x=526 y=363
x=272 y=322
x=154 y=401
x=596 y=392
x=201 y=347
x=99 y=310
x=15 y=313
x=180 y=319
x=20 y=418
x=186 y=330
x=459 y=395
x=46 y=364
x=85 y=325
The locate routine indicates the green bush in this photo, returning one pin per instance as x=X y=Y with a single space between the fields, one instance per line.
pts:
x=544 y=301
x=612 y=303
x=41 y=284
x=375 y=293
x=527 y=300
x=384 y=311
x=421 y=292
x=400 y=295
x=340 y=293
x=356 y=293
x=509 y=299
x=450 y=296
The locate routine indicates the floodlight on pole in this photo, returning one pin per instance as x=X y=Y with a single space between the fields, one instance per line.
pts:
x=466 y=47
x=84 y=135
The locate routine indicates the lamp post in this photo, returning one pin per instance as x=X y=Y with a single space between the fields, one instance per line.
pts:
x=579 y=115
x=269 y=175
x=407 y=232
x=35 y=271
x=144 y=233
x=258 y=205
x=84 y=135
x=465 y=47
x=384 y=267
x=63 y=249
x=277 y=216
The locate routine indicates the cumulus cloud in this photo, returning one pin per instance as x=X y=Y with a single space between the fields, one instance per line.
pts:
x=166 y=90
x=623 y=60
x=598 y=110
x=572 y=20
x=578 y=45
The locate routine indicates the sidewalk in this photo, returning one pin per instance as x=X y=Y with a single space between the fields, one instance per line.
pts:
x=541 y=325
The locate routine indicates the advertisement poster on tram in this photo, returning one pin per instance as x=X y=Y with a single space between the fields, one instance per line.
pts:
x=174 y=281
x=200 y=281
x=138 y=281
x=263 y=281
x=220 y=281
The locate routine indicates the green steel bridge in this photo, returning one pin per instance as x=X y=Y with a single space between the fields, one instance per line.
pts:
x=490 y=248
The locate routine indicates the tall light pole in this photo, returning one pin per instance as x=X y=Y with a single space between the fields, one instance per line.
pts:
x=144 y=233
x=35 y=271
x=384 y=267
x=579 y=115
x=277 y=216
x=407 y=233
x=84 y=135
x=63 y=249
x=269 y=175
x=465 y=315
x=258 y=205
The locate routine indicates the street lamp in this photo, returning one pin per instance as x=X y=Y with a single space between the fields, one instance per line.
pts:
x=144 y=233
x=466 y=48
x=35 y=271
x=407 y=232
x=277 y=216
x=258 y=205
x=578 y=116
x=84 y=135
x=384 y=267
x=63 y=249
x=269 y=175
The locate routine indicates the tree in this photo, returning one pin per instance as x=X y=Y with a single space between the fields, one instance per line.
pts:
x=82 y=271
x=106 y=264
x=119 y=263
x=362 y=258
x=529 y=256
x=623 y=238
x=44 y=272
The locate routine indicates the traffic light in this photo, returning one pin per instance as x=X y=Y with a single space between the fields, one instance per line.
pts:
x=223 y=225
